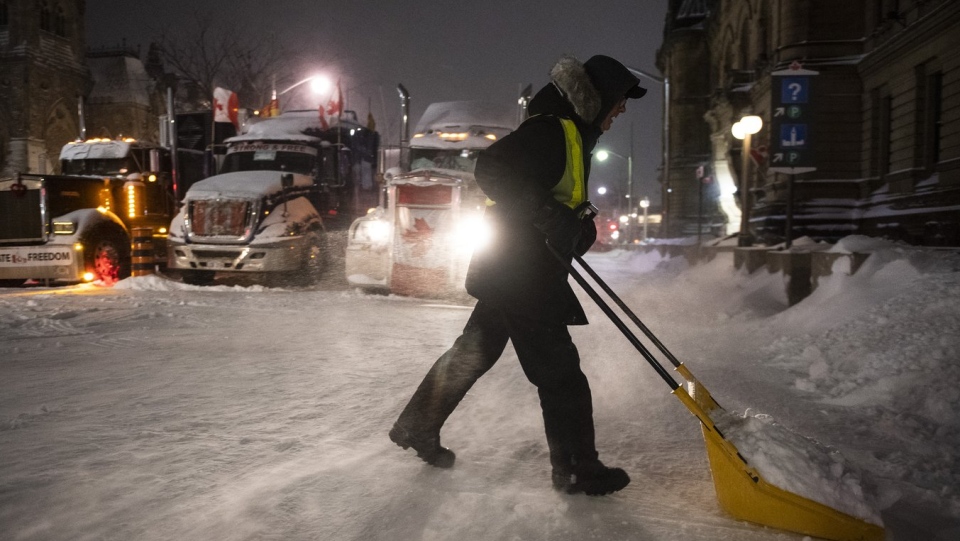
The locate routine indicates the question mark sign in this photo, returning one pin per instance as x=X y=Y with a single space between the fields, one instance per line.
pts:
x=795 y=89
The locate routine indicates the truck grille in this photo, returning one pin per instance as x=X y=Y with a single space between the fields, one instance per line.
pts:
x=21 y=219
x=219 y=217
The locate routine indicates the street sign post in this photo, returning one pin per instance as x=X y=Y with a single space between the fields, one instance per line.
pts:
x=791 y=131
x=792 y=115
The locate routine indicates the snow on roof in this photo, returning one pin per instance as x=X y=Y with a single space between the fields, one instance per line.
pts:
x=289 y=126
x=97 y=150
x=119 y=79
x=450 y=115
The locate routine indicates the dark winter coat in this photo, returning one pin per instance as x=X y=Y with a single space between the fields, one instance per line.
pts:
x=516 y=271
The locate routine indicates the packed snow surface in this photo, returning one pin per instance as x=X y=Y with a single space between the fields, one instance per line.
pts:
x=155 y=410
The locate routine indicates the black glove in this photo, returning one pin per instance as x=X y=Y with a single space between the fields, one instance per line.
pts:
x=588 y=234
x=560 y=224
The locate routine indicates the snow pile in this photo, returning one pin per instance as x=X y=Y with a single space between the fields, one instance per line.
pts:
x=797 y=464
x=155 y=282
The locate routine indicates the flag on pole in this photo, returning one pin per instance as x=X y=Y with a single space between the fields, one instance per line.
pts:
x=226 y=106
x=333 y=107
x=271 y=109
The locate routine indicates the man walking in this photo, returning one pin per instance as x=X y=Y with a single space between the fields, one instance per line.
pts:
x=534 y=179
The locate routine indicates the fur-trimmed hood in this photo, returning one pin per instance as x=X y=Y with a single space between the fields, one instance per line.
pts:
x=591 y=88
x=571 y=79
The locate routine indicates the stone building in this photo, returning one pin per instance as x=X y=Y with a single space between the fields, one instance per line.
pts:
x=45 y=73
x=125 y=100
x=879 y=133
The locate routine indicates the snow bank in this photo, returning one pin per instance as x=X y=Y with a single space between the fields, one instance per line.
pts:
x=155 y=282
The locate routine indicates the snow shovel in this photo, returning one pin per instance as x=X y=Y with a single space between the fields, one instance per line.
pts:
x=741 y=490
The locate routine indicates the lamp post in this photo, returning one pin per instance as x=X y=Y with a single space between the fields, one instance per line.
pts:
x=602 y=155
x=746 y=127
x=319 y=84
x=664 y=82
x=645 y=204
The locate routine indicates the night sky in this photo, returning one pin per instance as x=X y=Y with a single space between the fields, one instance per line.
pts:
x=439 y=50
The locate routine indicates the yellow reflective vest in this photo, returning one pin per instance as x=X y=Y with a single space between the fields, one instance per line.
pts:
x=572 y=188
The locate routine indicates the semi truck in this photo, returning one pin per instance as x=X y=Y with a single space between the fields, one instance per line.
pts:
x=284 y=185
x=419 y=240
x=76 y=226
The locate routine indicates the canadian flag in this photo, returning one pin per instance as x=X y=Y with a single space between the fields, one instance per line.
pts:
x=333 y=108
x=225 y=106
x=759 y=155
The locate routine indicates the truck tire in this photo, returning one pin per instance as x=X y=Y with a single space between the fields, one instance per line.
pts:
x=197 y=277
x=107 y=254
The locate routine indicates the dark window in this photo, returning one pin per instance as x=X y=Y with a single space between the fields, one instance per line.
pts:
x=886 y=137
x=45 y=17
x=927 y=117
x=60 y=23
x=4 y=14
x=933 y=121
x=880 y=109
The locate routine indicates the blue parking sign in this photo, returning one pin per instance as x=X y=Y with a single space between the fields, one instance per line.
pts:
x=794 y=89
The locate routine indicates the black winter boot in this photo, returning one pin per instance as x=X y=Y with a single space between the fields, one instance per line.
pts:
x=427 y=447
x=591 y=478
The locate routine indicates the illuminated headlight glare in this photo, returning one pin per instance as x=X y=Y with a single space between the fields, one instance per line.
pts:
x=615 y=235
x=375 y=231
x=64 y=228
x=474 y=233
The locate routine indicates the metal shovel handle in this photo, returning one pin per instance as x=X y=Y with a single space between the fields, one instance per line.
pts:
x=632 y=338
x=633 y=317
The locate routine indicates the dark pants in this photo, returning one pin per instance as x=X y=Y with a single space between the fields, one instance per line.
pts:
x=548 y=358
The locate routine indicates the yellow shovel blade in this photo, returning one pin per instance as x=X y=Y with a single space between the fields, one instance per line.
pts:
x=743 y=493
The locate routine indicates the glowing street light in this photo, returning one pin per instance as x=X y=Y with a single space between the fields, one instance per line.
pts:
x=602 y=155
x=319 y=84
x=743 y=129
x=645 y=204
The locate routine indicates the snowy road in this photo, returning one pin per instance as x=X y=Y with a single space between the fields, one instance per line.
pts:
x=160 y=411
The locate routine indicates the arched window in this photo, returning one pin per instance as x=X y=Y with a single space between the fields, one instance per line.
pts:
x=60 y=23
x=45 y=22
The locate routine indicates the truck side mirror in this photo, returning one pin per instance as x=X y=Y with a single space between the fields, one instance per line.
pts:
x=286 y=181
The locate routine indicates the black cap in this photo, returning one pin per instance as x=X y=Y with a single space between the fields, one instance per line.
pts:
x=612 y=79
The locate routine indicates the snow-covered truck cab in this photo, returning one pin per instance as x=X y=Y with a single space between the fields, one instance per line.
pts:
x=282 y=185
x=420 y=239
x=75 y=226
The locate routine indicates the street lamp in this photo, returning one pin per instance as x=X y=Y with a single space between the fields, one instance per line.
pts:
x=645 y=204
x=602 y=155
x=664 y=82
x=319 y=85
x=747 y=126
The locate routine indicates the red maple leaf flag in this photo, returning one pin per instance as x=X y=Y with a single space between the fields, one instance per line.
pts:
x=225 y=106
x=334 y=106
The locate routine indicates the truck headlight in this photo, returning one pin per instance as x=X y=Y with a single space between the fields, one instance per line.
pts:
x=474 y=233
x=64 y=228
x=373 y=231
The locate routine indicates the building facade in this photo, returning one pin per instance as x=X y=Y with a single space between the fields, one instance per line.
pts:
x=47 y=77
x=43 y=75
x=860 y=102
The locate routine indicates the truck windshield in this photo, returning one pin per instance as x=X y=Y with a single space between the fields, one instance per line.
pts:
x=269 y=160
x=453 y=159
x=102 y=167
